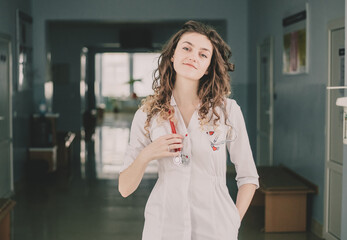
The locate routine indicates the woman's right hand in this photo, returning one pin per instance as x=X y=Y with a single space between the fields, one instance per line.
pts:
x=163 y=146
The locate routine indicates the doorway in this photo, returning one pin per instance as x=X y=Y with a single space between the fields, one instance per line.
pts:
x=6 y=168
x=334 y=145
x=265 y=103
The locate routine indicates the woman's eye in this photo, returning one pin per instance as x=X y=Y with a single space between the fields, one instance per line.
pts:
x=185 y=48
x=203 y=55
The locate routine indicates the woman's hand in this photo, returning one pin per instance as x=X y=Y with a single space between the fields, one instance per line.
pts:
x=162 y=147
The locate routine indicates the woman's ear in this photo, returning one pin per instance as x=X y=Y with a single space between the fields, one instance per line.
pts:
x=172 y=59
x=206 y=73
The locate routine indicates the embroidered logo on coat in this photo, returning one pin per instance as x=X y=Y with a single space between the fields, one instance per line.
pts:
x=214 y=148
x=213 y=140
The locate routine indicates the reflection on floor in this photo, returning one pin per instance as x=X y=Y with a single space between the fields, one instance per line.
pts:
x=109 y=146
x=64 y=207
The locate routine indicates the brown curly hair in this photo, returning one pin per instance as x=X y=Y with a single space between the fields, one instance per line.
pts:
x=213 y=88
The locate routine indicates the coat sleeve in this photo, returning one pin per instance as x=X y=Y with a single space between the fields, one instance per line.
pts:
x=138 y=139
x=239 y=149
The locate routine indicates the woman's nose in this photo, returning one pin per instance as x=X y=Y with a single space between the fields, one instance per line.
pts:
x=193 y=56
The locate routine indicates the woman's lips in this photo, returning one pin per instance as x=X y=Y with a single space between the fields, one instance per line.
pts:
x=190 y=65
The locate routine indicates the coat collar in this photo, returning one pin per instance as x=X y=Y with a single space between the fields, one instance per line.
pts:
x=172 y=101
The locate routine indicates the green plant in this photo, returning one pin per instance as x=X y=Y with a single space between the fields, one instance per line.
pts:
x=132 y=81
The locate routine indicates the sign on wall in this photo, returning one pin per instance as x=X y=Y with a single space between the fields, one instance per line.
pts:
x=295 y=42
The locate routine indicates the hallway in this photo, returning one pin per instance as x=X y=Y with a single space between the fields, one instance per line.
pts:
x=53 y=60
x=61 y=207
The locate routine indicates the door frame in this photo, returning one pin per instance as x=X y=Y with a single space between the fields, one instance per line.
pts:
x=8 y=39
x=332 y=25
x=271 y=89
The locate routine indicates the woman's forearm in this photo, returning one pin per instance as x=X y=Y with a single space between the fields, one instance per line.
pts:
x=244 y=198
x=131 y=177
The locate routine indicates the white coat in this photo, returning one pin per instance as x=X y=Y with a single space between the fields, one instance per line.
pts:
x=193 y=202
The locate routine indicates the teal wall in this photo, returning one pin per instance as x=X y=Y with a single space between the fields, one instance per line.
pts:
x=22 y=101
x=299 y=109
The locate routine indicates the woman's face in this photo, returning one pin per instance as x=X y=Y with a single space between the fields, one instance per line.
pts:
x=192 y=56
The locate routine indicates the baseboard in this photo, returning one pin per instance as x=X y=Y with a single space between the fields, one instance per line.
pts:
x=316 y=228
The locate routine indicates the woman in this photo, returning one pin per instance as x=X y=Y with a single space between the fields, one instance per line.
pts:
x=190 y=199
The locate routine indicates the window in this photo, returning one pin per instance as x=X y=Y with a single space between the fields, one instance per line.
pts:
x=113 y=71
x=144 y=66
x=114 y=74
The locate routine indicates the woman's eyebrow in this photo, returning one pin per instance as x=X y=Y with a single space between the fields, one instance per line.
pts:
x=191 y=44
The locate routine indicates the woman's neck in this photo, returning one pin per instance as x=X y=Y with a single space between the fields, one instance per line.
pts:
x=185 y=93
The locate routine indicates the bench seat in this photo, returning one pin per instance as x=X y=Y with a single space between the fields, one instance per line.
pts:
x=284 y=195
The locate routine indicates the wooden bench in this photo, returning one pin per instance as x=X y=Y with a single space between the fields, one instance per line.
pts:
x=284 y=194
x=6 y=206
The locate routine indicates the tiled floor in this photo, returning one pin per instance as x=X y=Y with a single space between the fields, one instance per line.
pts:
x=58 y=207
x=93 y=209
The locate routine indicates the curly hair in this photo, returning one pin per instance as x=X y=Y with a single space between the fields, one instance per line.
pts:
x=212 y=90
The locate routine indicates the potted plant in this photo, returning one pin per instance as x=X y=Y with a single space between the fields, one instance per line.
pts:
x=131 y=83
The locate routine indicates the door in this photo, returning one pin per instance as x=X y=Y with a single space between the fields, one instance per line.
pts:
x=6 y=182
x=265 y=103
x=334 y=144
x=83 y=91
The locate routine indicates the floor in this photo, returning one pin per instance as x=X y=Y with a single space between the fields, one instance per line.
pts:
x=85 y=203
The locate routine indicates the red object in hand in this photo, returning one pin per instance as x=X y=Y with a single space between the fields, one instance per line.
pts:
x=173 y=130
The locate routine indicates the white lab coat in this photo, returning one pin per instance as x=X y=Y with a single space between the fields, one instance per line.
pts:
x=192 y=202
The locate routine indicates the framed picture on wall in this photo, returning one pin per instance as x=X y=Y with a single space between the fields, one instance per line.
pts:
x=24 y=51
x=295 y=42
